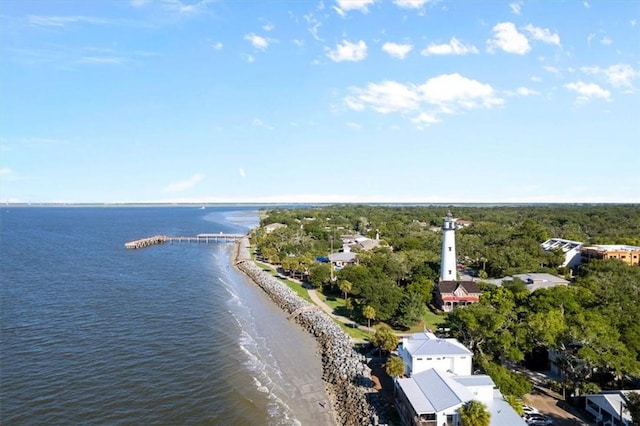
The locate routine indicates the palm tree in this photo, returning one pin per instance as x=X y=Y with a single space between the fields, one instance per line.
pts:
x=474 y=413
x=345 y=287
x=369 y=313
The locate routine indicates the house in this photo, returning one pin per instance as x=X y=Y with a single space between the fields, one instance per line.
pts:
x=460 y=223
x=273 y=226
x=440 y=382
x=342 y=259
x=607 y=407
x=423 y=351
x=433 y=398
x=451 y=294
x=571 y=250
x=359 y=242
x=628 y=254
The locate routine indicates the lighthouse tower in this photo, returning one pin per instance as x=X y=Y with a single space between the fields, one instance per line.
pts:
x=448 y=259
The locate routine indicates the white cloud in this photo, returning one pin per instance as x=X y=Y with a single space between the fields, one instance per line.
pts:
x=183 y=8
x=314 y=26
x=516 y=7
x=139 y=3
x=5 y=171
x=347 y=5
x=411 y=4
x=347 y=51
x=588 y=91
x=443 y=94
x=259 y=123
x=551 y=69
x=454 y=47
x=354 y=126
x=101 y=60
x=425 y=118
x=218 y=45
x=257 y=41
x=185 y=184
x=454 y=90
x=606 y=41
x=386 y=97
x=268 y=27
x=61 y=21
x=241 y=172
x=543 y=34
x=619 y=75
x=507 y=38
x=397 y=50
x=525 y=91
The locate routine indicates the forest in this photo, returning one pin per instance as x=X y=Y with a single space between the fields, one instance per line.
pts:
x=591 y=328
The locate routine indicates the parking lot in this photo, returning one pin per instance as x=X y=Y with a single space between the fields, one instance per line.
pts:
x=550 y=407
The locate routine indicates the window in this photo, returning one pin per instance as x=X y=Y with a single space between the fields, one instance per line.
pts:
x=449 y=271
x=449 y=248
x=418 y=359
x=429 y=359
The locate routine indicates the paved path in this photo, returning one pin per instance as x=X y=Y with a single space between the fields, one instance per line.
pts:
x=316 y=299
x=313 y=294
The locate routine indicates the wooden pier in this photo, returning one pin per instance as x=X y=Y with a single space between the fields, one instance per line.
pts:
x=200 y=238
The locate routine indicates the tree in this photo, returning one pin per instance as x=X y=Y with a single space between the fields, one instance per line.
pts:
x=633 y=407
x=385 y=338
x=474 y=413
x=411 y=309
x=345 y=287
x=319 y=274
x=394 y=366
x=369 y=313
x=515 y=403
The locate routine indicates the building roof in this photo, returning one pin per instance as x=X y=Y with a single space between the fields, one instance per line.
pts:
x=541 y=278
x=342 y=257
x=612 y=247
x=366 y=244
x=560 y=243
x=433 y=391
x=470 y=287
x=425 y=344
x=611 y=401
x=502 y=414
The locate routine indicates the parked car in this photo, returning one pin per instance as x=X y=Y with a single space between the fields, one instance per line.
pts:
x=538 y=420
x=529 y=410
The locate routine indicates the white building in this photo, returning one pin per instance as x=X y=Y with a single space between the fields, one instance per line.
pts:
x=422 y=351
x=448 y=265
x=608 y=406
x=433 y=398
x=440 y=382
x=571 y=250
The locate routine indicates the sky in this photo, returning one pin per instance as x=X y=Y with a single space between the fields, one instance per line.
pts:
x=415 y=101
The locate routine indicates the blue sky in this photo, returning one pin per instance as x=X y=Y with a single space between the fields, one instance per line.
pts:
x=319 y=101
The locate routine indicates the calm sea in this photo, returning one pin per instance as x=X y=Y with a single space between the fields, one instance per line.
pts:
x=92 y=333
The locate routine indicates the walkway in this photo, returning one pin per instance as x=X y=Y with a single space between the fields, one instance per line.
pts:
x=315 y=298
x=313 y=294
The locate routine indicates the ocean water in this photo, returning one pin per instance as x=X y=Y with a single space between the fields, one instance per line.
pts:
x=92 y=333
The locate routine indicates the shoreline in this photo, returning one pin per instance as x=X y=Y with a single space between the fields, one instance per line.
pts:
x=346 y=376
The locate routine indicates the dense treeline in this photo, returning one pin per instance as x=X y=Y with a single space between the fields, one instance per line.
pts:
x=592 y=327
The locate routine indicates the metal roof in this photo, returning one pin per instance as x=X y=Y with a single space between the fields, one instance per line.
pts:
x=425 y=343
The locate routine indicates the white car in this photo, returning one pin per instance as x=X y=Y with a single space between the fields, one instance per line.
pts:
x=538 y=420
x=529 y=410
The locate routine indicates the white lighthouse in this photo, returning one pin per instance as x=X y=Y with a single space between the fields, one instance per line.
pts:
x=448 y=259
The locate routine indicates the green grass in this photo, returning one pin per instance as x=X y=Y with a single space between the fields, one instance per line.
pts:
x=300 y=291
x=429 y=320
